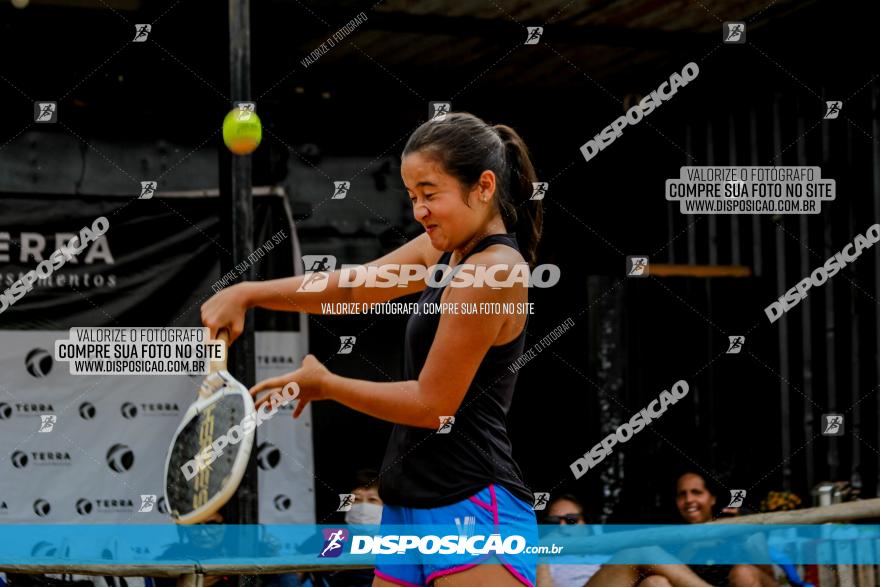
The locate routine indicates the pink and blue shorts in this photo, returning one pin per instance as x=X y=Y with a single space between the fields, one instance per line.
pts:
x=493 y=509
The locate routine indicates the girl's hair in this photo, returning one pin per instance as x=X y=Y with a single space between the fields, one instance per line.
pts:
x=466 y=146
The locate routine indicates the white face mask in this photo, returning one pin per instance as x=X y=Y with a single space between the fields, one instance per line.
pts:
x=364 y=513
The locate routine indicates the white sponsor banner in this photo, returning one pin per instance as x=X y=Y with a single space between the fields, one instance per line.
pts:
x=283 y=448
x=104 y=456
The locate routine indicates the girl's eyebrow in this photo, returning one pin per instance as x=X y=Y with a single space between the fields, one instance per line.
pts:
x=426 y=183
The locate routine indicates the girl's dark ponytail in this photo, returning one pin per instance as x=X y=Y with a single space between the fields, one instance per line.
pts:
x=518 y=210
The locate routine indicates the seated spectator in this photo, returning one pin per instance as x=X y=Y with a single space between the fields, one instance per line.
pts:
x=695 y=503
x=367 y=507
x=206 y=540
x=366 y=510
x=566 y=510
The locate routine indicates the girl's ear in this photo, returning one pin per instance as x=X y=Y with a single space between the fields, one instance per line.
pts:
x=488 y=183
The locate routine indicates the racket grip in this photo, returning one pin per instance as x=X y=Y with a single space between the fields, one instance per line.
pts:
x=223 y=335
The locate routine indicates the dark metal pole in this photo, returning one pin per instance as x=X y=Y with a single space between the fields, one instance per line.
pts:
x=784 y=401
x=237 y=201
x=692 y=232
x=735 y=257
x=830 y=322
x=757 y=244
x=713 y=218
x=855 y=347
x=806 y=321
x=875 y=156
x=709 y=431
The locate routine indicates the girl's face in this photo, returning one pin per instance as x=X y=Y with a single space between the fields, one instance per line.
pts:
x=439 y=204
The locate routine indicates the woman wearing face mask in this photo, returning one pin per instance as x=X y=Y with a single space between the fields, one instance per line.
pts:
x=367 y=507
x=367 y=511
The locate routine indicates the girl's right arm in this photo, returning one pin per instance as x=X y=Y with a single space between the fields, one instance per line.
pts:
x=226 y=308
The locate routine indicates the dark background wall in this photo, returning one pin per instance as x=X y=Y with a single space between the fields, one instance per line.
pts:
x=152 y=110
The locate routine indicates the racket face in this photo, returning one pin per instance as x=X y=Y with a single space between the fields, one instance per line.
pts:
x=208 y=488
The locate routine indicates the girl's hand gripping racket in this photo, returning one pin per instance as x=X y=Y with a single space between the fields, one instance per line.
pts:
x=211 y=447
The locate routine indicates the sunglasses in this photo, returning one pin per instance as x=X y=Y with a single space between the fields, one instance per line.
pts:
x=569 y=519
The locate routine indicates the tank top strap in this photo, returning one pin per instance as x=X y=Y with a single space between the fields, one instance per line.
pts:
x=508 y=239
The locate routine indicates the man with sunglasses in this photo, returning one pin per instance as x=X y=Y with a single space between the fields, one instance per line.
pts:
x=566 y=510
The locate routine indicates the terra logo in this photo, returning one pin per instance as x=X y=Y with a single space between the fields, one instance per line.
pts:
x=268 y=456
x=84 y=507
x=120 y=458
x=38 y=362
x=282 y=502
x=87 y=411
x=42 y=508
x=129 y=410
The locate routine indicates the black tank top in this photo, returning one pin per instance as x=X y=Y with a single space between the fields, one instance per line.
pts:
x=424 y=469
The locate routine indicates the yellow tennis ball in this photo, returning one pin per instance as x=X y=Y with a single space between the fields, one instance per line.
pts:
x=242 y=131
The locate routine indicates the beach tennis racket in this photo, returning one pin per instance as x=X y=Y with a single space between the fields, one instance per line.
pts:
x=210 y=449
